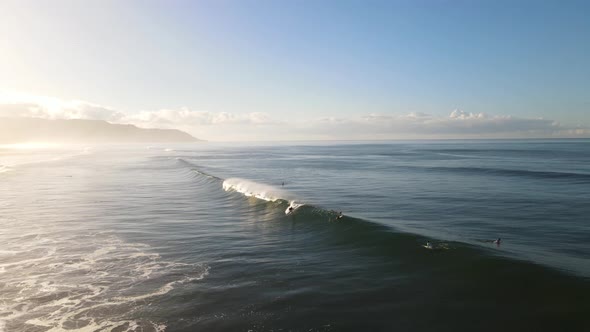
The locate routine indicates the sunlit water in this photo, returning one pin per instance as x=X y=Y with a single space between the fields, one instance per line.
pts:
x=195 y=237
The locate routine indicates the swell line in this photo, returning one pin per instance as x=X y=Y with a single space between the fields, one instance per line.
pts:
x=512 y=172
x=358 y=231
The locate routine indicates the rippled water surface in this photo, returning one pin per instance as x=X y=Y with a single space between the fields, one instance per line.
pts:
x=196 y=237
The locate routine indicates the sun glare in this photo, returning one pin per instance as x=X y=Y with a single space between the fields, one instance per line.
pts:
x=30 y=146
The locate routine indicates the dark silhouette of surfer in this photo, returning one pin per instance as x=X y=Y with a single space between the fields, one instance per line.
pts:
x=497 y=242
x=339 y=215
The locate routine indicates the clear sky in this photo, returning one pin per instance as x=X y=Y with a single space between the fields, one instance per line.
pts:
x=304 y=69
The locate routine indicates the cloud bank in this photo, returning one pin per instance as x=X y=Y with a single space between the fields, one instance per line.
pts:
x=225 y=126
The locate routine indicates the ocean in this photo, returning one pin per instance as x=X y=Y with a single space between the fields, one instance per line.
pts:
x=196 y=237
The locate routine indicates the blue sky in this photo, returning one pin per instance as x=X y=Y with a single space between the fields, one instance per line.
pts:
x=310 y=62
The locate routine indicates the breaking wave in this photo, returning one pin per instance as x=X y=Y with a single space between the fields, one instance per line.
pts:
x=254 y=189
x=262 y=191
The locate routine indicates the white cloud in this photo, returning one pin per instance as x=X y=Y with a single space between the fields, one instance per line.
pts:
x=51 y=108
x=184 y=116
x=458 y=124
x=458 y=114
x=262 y=126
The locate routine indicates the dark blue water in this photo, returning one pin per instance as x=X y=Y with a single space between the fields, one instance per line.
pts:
x=130 y=238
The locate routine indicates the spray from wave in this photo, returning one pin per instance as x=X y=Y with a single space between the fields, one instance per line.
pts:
x=261 y=191
x=254 y=189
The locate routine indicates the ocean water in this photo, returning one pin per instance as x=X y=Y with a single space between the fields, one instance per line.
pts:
x=196 y=237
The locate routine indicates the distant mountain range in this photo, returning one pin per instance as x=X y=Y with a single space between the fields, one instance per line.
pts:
x=22 y=130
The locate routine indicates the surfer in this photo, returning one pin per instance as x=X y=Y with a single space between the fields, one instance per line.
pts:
x=497 y=242
x=339 y=215
x=290 y=209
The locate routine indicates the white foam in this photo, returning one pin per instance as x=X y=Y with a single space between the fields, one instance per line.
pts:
x=163 y=290
x=159 y=327
x=253 y=189
x=292 y=207
x=62 y=283
x=31 y=261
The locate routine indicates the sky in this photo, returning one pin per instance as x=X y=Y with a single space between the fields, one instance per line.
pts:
x=303 y=70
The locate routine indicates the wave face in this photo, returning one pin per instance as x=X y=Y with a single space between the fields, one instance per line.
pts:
x=198 y=238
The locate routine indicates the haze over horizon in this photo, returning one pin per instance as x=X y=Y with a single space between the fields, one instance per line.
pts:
x=302 y=70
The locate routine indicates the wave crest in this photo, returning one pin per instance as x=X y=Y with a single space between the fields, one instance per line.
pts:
x=253 y=189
